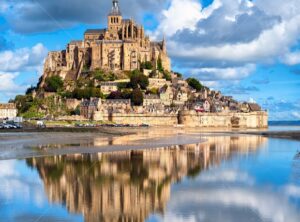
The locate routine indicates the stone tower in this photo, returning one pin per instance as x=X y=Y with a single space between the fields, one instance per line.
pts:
x=115 y=20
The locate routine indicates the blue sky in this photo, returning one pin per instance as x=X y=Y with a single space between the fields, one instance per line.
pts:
x=248 y=49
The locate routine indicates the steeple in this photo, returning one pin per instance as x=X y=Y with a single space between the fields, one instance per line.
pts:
x=115 y=8
x=164 y=45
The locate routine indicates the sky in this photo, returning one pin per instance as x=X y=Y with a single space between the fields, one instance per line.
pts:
x=247 y=49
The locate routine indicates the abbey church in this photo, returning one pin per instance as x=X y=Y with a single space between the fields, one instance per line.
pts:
x=123 y=46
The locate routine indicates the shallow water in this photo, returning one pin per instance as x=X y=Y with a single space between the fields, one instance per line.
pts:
x=227 y=178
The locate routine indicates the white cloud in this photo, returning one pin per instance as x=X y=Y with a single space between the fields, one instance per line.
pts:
x=183 y=14
x=173 y=19
x=7 y=82
x=13 y=67
x=228 y=73
x=278 y=39
x=292 y=58
x=24 y=59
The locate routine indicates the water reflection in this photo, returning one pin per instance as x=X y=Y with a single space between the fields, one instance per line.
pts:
x=132 y=185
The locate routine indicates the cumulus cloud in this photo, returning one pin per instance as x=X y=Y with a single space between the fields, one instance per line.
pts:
x=7 y=83
x=24 y=59
x=173 y=20
x=15 y=63
x=227 y=73
x=229 y=34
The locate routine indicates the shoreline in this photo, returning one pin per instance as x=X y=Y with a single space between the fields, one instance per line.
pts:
x=46 y=142
x=291 y=135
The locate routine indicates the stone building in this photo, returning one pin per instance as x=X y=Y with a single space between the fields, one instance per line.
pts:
x=8 y=111
x=95 y=107
x=123 y=45
x=108 y=87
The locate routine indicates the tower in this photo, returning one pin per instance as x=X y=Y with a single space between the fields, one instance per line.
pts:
x=115 y=20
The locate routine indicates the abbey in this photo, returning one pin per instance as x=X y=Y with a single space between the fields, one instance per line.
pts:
x=122 y=46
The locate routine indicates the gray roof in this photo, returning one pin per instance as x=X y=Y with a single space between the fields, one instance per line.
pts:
x=254 y=107
x=95 y=31
x=151 y=96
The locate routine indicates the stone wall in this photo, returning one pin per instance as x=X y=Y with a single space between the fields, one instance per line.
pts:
x=241 y=120
x=132 y=118
x=190 y=119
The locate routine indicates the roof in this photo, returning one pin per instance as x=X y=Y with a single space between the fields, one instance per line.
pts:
x=109 y=84
x=151 y=96
x=115 y=101
x=7 y=106
x=254 y=107
x=76 y=42
x=95 y=31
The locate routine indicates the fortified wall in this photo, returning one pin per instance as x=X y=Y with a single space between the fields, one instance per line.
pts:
x=240 y=120
x=133 y=118
x=190 y=119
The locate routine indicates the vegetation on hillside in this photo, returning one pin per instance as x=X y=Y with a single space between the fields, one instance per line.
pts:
x=194 y=83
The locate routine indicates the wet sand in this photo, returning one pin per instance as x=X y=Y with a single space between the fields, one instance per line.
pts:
x=15 y=145
x=24 y=145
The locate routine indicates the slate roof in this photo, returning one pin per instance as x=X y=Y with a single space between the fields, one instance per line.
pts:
x=95 y=31
x=254 y=107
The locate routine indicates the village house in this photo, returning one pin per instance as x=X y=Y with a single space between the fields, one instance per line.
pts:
x=180 y=98
x=89 y=108
x=166 y=95
x=8 y=111
x=151 y=99
x=157 y=83
x=108 y=87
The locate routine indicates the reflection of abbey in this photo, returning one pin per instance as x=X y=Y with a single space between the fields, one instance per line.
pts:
x=131 y=185
x=122 y=46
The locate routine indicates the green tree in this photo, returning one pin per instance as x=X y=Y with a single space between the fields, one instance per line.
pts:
x=137 y=79
x=194 y=83
x=53 y=84
x=30 y=90
x=137 y=97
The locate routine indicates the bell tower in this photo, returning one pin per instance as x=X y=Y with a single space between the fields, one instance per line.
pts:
x=114 y=20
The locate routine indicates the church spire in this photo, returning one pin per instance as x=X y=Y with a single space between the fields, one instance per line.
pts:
x=115 y=8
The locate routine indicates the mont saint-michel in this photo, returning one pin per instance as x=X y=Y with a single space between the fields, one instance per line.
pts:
x=119 y=75
x=149 y=111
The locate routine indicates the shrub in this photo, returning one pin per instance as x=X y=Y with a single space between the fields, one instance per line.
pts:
x=137 y=97
x=53 y=84
x=138 y=79
x=194 y=83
